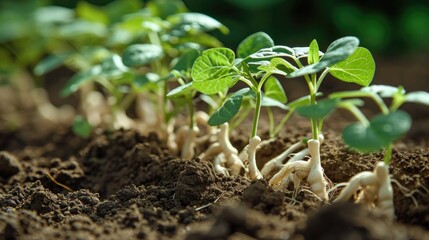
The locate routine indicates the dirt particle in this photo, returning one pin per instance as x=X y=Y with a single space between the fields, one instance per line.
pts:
x=9 y=165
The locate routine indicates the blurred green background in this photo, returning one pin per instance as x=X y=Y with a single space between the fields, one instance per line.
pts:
x=394 y=27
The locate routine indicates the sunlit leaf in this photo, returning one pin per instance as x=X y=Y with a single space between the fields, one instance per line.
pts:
x=141 y=54
x=337 y=51
x=214 y=71
x=277 y=66
x=181 y=90
x=358 y=68
x=274 y=89
x=254 y=43
x=91 y=13
x=271 y=102
x=113 y=66
x=313 y=52
x=229 y=109
x=382 y=131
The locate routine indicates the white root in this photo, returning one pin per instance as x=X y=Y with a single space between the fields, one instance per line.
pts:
x=233 y=162
x=254 y=172
x=188 y=147
x=376 y=190
x=277 y=162
x=297 y=170
x=95 y=108
x=218 y=161
x=300 y=156
x=121 y=120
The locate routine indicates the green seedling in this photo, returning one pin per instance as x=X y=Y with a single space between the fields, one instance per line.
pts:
x=218 y=69
x=373 y=135
x=345 y=61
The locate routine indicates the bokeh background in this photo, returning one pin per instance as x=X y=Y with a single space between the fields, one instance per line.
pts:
x=395 y=27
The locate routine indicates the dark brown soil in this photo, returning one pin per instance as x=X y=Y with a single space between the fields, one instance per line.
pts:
x=121 y=185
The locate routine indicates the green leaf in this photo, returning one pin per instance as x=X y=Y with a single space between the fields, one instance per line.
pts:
x=188 y=22
x=81 y=127
x=229 y=108
x=382 y=131
x=384 y=91
x=141 y=81
x=79 y=79
x=82 y=28
x=141 y=54
x=91 y=13
x=214 y=71
x=271 y=102
x=269 y=53
x=274 y=89
x=319 y=110
x=313 y=53
x=254 y=43
x=113 y=66
x=418 y=97
x=50 y=63
x=181 y=90
x=358 y=68
x=337 y=51
x=277 y=66
x=185 y=62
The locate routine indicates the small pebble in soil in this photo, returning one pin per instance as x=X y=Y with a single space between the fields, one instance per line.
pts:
x=9 y=165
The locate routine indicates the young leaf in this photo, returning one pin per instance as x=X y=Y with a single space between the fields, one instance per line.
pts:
x=269 y=53
x=195 y=21
x=274 y=89
x=337 y=51
x=79 y=79
x=229 y=108
x=271 y=102
x=141 y=54
x=319 y=110
x=277 y=66
x=186 y=61
x=81 y=127
x=180 y=90
x=313 y=52
x=91 y=13
x=418 y=97
x=254 y=43
x=382 y=131
x=214 y=71
x=113 y=66
x=384 y=91
x=358 y=68
x=50 y=63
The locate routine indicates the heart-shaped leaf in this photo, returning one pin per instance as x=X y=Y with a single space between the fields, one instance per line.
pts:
x=141 y=54
x=254 y=43
x=214 y=71
x=382 y=131
x=337 y=51
x=358 y=68
x=229 y=109
x=319 y=110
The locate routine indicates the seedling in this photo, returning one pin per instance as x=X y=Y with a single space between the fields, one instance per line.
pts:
x=217 y=70
x=379 y=133
x=345 y=61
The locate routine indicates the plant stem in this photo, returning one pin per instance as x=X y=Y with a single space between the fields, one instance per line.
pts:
x=355 y=111
x=388 y=154
x=191 y=113
x=257 y=113
x=313 y=91
x=283 y=121
x=377 y=99
x=271 y=122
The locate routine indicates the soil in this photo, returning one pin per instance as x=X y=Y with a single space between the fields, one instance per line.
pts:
x=122 y=185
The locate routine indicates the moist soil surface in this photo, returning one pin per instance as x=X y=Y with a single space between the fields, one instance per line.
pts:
x=122 y=185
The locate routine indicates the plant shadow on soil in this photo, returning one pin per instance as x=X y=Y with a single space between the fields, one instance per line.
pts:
x=127 y=186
